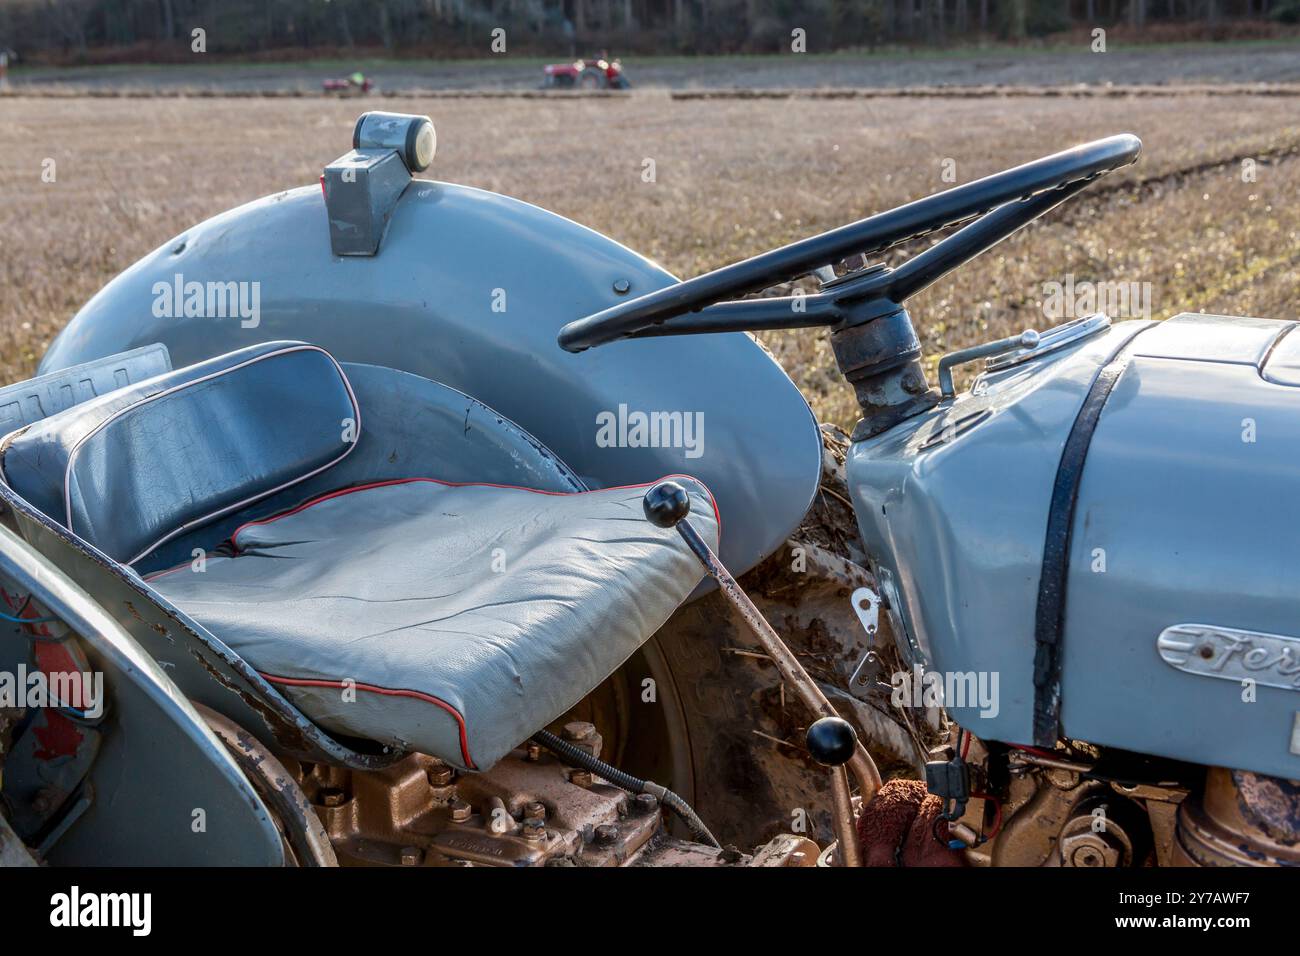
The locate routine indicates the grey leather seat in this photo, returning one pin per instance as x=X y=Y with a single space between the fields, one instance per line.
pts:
x=452 y=619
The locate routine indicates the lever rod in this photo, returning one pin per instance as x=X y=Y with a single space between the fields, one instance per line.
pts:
x=832 y=741
x=792 y=672
x=667 y=505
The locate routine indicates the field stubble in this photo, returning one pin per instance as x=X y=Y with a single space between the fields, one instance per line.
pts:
x=732 y=178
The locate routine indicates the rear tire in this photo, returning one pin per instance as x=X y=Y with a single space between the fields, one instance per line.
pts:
x=305 y=841
x=593 y=78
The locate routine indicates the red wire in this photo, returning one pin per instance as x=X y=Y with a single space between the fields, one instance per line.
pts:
x=997 y=813
x=1034 y=750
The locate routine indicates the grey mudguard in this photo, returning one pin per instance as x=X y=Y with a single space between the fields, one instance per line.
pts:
x=1186 y=505
x=130 y=469
x=454 y=620
x=470 y=288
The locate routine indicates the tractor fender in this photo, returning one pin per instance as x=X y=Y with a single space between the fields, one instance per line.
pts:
x=469 y=288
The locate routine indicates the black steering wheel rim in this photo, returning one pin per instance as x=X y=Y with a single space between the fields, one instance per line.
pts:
x=1000 y=204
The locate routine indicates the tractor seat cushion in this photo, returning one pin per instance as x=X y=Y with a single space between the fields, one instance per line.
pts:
x=453 y=620
x=141 y=464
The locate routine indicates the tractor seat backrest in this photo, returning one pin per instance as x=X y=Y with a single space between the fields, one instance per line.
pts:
x=138 y=466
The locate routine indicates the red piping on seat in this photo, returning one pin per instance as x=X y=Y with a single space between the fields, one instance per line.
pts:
x=154 y=576
x=717 y=515
x=389 y=692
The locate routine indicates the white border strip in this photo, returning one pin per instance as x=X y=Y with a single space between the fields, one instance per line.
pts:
x=72 y=455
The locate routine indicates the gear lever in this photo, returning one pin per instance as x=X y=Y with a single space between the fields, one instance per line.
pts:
x=666 y=505
x=832 y=741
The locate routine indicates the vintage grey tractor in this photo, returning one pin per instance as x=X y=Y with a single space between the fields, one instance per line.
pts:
x=390 y=521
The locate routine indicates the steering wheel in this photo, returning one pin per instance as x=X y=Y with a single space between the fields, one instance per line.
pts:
x=1000 y=205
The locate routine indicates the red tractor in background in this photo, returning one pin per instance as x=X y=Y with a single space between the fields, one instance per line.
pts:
x=600 y=73
x=356 y=84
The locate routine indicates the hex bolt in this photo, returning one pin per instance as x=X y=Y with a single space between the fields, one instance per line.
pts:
x=441 y=776
x=914 y=383
x=607 y=834
x=535 y=811
x=578 y=730
x=534 y=752
x=645 y=803
x=1087 y=856
x=332 y=797
x=412 y=856
x=534 y=830
x=582 y=734
x=460 y=811
x=581 y=778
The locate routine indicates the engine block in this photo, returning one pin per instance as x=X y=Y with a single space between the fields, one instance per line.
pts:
x=528 y=810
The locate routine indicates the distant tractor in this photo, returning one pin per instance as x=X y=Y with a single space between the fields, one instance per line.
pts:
x=597 y=74
x=358 y=84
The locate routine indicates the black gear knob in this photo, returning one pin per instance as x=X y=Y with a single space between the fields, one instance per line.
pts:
x=666 y=504
x=832 y=741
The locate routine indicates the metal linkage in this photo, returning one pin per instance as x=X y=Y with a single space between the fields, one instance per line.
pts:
x=666 y=505
x=1027 y=339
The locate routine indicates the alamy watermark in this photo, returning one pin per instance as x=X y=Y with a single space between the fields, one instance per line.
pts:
x=75 y=908
x=660 y=429
x=35 y=689
x=1071 y=299
x=921 y=688
x=179 y=299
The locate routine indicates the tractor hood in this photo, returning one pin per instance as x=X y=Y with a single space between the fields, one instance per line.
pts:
x=1134 y=587
x=469 y=288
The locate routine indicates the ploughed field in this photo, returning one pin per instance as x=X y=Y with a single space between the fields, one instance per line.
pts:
x=1068 y=61
x=1209 y=220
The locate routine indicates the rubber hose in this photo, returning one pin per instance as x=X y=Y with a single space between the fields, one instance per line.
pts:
x=625 y=781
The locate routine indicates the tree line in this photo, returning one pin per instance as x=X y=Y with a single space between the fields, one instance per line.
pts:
x=162 y=29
